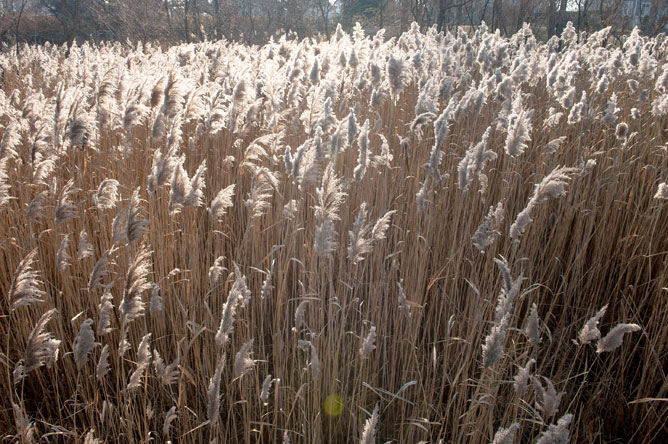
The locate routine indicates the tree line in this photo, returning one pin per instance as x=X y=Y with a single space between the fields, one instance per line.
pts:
x=255 y=21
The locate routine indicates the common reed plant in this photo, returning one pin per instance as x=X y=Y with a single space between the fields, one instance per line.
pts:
x=353 y=240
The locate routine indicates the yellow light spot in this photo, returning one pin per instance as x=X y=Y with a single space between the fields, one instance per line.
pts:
x=333 y=405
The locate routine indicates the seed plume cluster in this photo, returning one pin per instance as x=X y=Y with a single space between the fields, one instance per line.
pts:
x=435 y=237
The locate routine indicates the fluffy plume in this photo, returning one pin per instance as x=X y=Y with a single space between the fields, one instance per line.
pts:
x=267 y=287
x=379 y=230
x=385 y=157
x=213 y=394
x=36 y=206
x=315 y=362
x=369 y=343
x=532 y=329
x=420 y=120
x=661 y=191
x=489 y=230
x=440 y=131
x=239 y=93
x=471 y=103
x=299 y=315
x=41 y=347
x=62 y=256
x=359 y=243
x=590 y=331
x=290 y=209
x=474 y=162
x=65 y=209
x=314 y=75
x=4 y=188
x=257 y=202
x=506 y=436
x=82 y=130
x=167 y=374
x=102 y=367
x=118 y=232
x=369 y=431
x=216 y=271
x=352 y=127
x=615 y=337
x=327 y=118
x=547 y=398
x=509 y=292
x=143 y=361
x=135 y=114
x=396 y=75
x=324 y=242
x=169 y=418
x=504 y=268
x=43 y=170
x=288 y=161
x=551 y=187
x=222 y=202
x=85 y=248
x=403 y=304
x=99 y=271
x=557 y=433
x=329 y=196
x=105 y=308
x=135 y=226
x=521 y=384
x=580 y=111
x=172 y=96
x=363 y=152
x=266 y=388
x=124 y=344
x=610 y=115
x=107 y=194
x=622 y=131
x=243 y=363
x=240 y=286
x=132 y=305
x=239 y=295
x=84 y=343
x=492 y=349
x=421 y=195
x=180 y=186
x=162 y=169
x=336 y=141
x=24 y=289
x=10 y=141
x=195 y=198
x=553 y=145
x=156 y=300
x=24 y=426
x=519 y=128
x=363 y=235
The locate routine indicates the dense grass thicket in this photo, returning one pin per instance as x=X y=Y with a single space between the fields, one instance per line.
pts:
x=457 y=238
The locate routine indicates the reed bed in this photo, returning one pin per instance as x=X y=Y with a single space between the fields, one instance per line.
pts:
x=435 y=238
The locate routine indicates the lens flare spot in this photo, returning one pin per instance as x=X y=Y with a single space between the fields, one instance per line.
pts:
x=333 y=405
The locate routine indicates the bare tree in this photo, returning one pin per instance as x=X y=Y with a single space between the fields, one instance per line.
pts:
x=68 y=13
x=445 y=7
x=18 y=25
x=325 y=8
x=657 y=19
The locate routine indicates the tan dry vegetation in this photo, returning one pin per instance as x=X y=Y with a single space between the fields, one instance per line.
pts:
x=193 y=304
